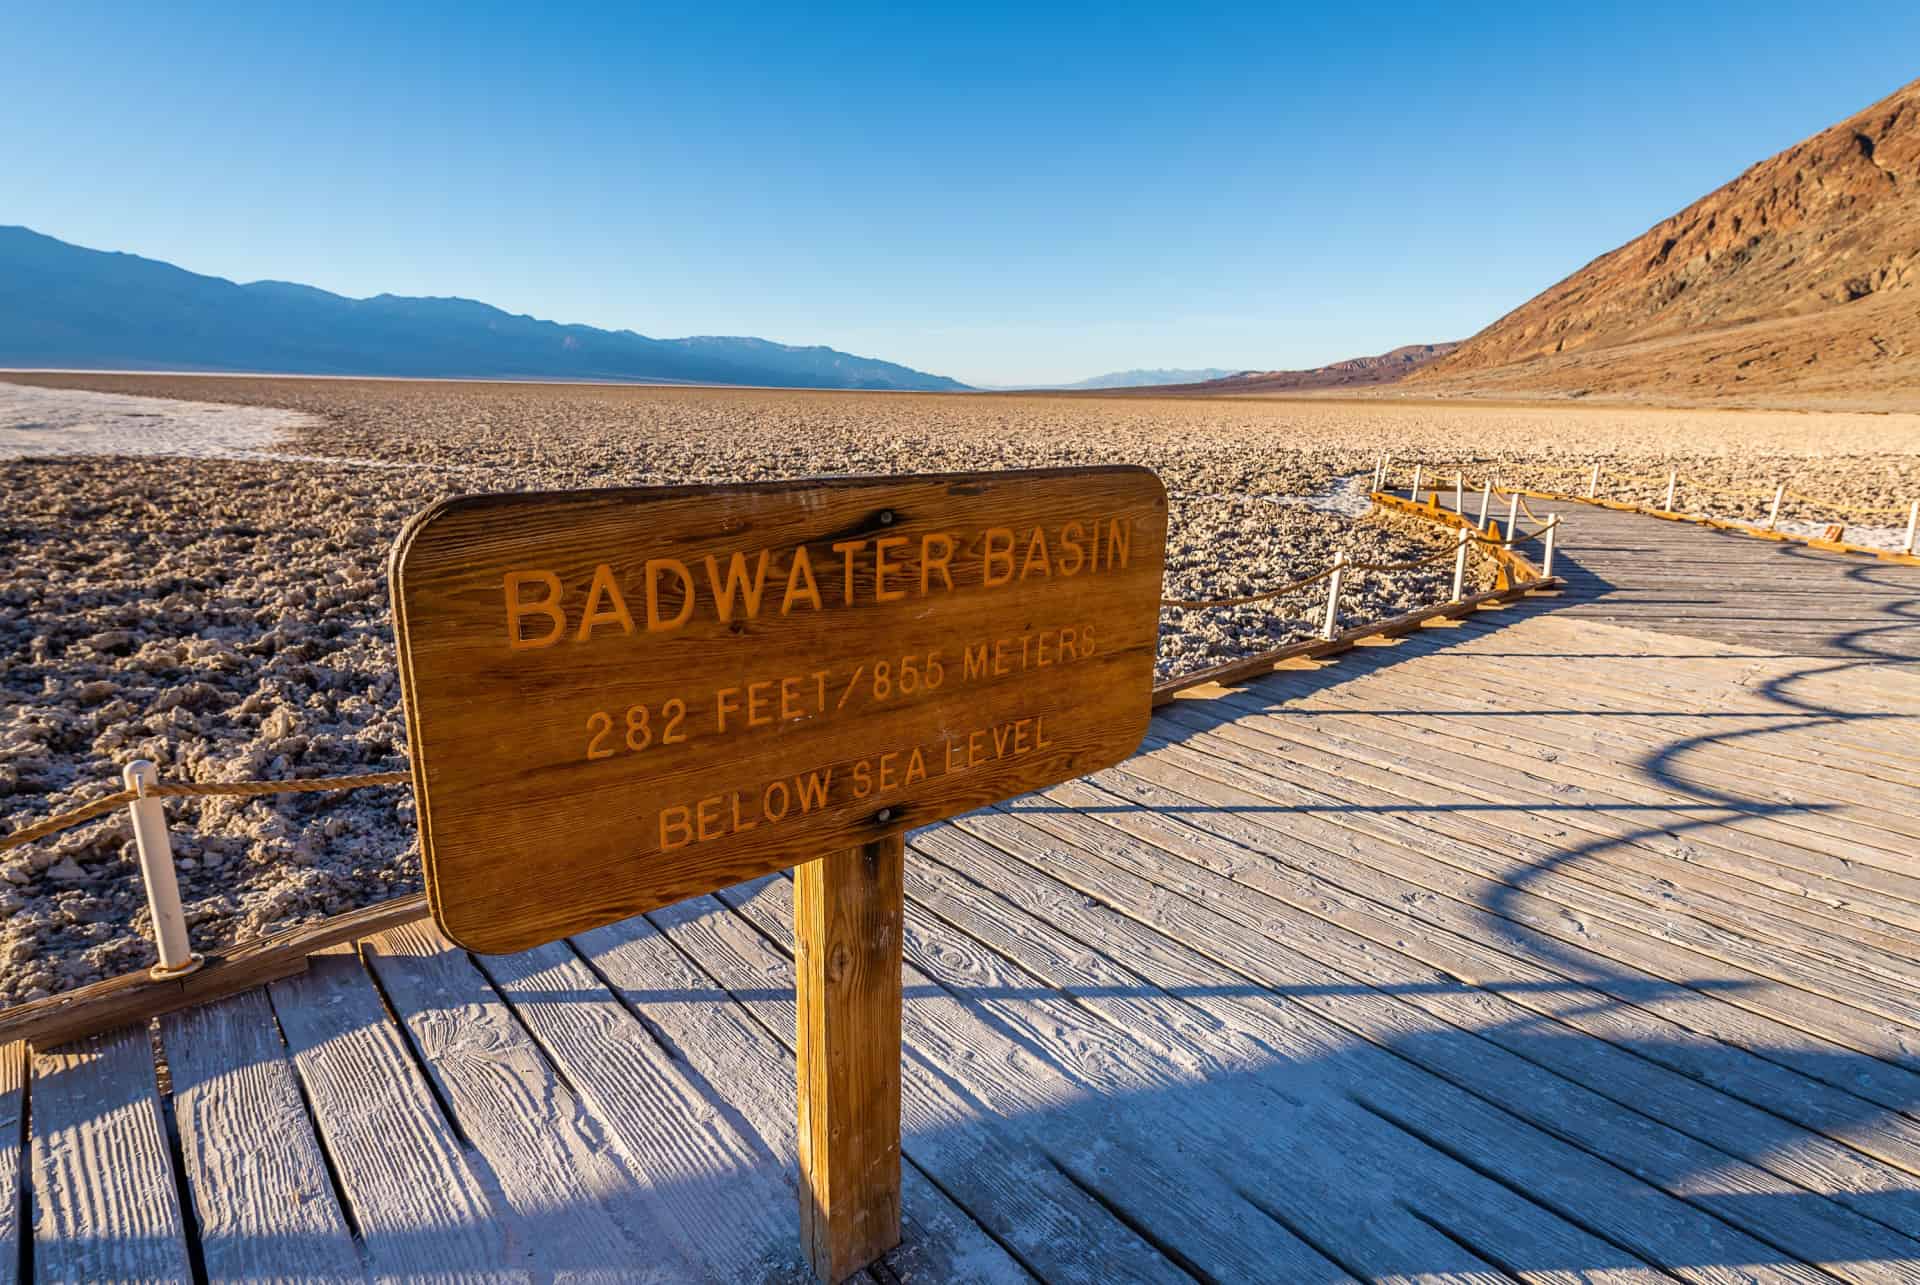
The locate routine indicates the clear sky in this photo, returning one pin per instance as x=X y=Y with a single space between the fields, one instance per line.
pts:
x=1001 y=193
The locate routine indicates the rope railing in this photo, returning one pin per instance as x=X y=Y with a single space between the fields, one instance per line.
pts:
x=141 y=797
x=191 y=789
x=1383 y=475
x=1475 y=537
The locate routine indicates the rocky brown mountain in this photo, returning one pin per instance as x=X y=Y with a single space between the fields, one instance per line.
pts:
x=1797 y=277
x=1354 y=372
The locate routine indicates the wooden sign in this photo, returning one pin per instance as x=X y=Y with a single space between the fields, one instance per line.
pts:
x=620 y=699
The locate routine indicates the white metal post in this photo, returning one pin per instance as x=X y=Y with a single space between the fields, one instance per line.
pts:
x=1386 y=467
x=1913 y=526
x=1331 y=625
x=1546 y=558
x=1414 y=493
x=1460 y=495
x=1460 y=564
x=1673 y=480
x=1486 y=498
x=1773 y=514
x=1513 y=512
x=1593 y=482
x=156 y=872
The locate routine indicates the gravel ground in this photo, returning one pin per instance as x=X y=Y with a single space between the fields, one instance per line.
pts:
x=222 y=611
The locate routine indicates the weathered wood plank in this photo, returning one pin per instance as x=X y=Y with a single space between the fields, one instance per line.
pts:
x=1555 y=660
x=1415 y=844
x=1505 y=958
x=1579 y=1181
x=105 y=1199
x=1054 y=1226
x=1734 y=1139
x=1524 y=854
x=1696 y=661
x=746 y=1067
x=1781 y=739
x=1386 y=1180
x=722 y=1196
x=264 y=1207
x=1464 y=847
x=580 y=1210
x=1130 y=1125
x=1625 y=750
x=1777 y=744
x=1630 y=970
x=13 y=1154
x=1731 y=838
x=419 y=1203
x=1656 y=844
x=1614 y=554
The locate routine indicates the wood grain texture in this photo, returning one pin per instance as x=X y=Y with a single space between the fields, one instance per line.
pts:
x=721 y=1196
x=1387 y=1069
x=1309 y=870
x=581 y=1211
x=1028 y=1058
x=1620 y=568
x=263 y=1205
x=1371 y=941
x=418 y=1201
x=1054 y=1226
x=1466 y=847
x=106 y=1207
x=1114 y=968
x=846 y=926
x=13 y=1154
x=750 y=1068
x=1669 y=1156
x=666 y=691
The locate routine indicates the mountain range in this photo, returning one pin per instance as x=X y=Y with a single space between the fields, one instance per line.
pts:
x=1354 y=372
x=1145 y=379
x=63 y=305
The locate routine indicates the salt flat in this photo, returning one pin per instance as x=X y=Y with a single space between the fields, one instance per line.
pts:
x=43 y=422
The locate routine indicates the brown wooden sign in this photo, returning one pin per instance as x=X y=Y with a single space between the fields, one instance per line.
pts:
x=620 y=699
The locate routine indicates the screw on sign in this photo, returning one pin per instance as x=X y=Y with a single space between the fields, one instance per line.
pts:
x=621 y=699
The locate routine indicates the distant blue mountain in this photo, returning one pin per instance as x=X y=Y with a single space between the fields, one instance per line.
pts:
x=1149 y=378
x=66 y=306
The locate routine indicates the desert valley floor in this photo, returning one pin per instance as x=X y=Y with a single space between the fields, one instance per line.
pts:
x=203 y=585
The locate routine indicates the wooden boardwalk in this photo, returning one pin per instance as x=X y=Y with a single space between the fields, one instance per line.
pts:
x=1677 y=577
x=1535 y=947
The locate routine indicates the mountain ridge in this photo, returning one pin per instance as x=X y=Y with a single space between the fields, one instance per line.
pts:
x=1353 y=372
x=71 y=306
x=1801 y=275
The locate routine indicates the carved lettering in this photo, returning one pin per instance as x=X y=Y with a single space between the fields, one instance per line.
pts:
x=737 y=585
x=656 y=623
x=518 y=609
x=604 y=589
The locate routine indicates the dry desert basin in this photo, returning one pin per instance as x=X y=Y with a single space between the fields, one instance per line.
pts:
x=200 y=581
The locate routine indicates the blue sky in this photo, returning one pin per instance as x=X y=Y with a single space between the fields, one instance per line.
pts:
x=990 y=192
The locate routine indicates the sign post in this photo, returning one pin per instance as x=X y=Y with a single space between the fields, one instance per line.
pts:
x=620 y=699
